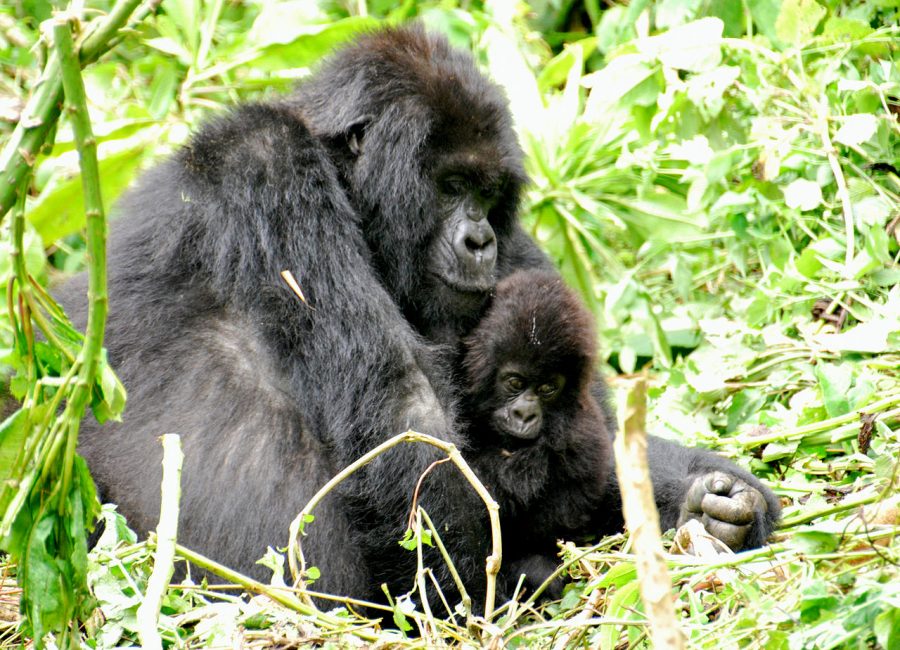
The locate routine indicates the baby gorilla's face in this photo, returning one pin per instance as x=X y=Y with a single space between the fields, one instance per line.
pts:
x=523 y=397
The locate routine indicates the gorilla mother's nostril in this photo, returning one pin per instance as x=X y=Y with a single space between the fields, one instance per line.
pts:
x=479 y=241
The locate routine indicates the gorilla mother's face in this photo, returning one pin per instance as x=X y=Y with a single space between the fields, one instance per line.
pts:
x=462 y=255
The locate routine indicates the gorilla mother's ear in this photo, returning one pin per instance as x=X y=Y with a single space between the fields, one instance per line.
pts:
x=354 y=134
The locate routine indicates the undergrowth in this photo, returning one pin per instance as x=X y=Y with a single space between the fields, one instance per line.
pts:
x=720 y=182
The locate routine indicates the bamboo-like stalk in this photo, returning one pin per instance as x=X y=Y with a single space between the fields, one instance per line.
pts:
x=843 y=191
x=42 y=110
x=89 y=358
x=642 y=520
x=166 y=532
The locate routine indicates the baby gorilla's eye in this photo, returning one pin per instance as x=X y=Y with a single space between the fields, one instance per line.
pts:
x=515 y=383
x=547 y=390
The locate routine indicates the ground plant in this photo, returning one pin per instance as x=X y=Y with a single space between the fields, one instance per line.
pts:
x=720 y=182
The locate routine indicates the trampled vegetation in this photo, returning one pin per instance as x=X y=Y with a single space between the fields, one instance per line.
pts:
x=718 y=179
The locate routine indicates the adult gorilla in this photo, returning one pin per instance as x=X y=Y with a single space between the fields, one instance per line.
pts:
x=388 y=185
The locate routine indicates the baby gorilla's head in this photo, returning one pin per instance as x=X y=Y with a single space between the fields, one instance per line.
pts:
x=529 y=362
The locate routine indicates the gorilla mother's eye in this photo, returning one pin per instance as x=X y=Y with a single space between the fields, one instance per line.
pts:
x=490 y=192
x=454 y=185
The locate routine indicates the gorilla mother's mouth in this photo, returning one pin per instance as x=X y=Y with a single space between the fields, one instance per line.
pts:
x=464 y=286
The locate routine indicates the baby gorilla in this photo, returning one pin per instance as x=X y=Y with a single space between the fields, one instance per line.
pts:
x=539 y=441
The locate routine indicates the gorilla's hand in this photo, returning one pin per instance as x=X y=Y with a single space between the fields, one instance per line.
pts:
x=726 y=506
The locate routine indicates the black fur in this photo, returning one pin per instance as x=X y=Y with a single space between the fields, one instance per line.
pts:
x=561 y=483
x=372 y=185
x=554 y=485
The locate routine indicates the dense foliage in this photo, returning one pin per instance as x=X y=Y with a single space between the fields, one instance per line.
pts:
x=718 y=179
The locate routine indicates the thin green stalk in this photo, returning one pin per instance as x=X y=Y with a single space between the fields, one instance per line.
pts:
x=96 y=237
x=749 y=440
x=42 y=110
x=492 y=564
x=279 y=595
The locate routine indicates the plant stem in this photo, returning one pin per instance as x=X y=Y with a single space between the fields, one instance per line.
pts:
x=642 y=520
x=96 y=239
x=166 y=532
x=748 y=441
x=492 y=564
x=281 y=596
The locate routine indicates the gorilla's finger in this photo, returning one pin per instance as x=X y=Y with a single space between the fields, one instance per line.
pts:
x=719 y=482
x=740 y=509
x=733 y=536
x=694 y=497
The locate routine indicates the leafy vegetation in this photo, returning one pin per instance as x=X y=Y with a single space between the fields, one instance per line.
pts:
x=718 y=179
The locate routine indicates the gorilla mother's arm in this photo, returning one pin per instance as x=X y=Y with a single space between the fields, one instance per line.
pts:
x=690 y=483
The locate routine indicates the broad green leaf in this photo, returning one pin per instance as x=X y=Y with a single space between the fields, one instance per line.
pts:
x=60 y=209
x=808 y=263
x=797 y=20
x=170 y=47
x=803 y=195
x=693 y=47
x=612 y=82
x=303 y=50
x=13 y=433
x=835 y=382
x=887 y=628
x=555 y=72
x=776 y=450
x=764 y=13
x=284 y=22
x=811 y=540
x=856 y=129
x=674 y=13
x=619 y=575
x=846 y=29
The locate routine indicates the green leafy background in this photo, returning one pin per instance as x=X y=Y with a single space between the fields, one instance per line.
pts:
x=719 y=181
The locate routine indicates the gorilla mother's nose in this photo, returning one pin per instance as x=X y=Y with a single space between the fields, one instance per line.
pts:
x=475 y=244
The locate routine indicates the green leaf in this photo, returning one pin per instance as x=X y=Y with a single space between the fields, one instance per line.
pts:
x=803 y=195
x=693 y=47
x=798 y=20
x=13 y=433
x=764 y=14
x=887 y=628
x=856 y=129
x=620 y=574
x=834 y=383
x=557 y=69
x=808 y=263
x=43 y=580
x=838 y=28
x=112 y=393
x=306 y=519
x=60 y=209
x=777 y=450
x=611 y=83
